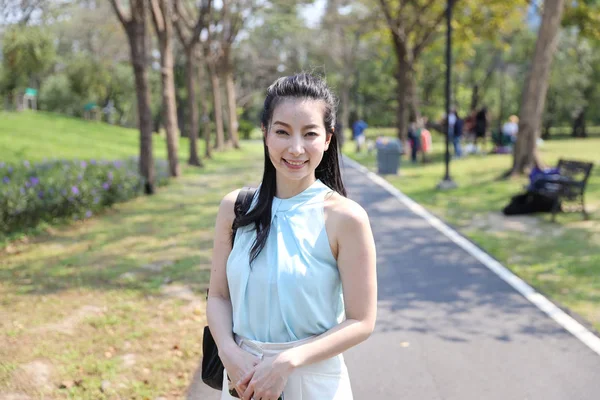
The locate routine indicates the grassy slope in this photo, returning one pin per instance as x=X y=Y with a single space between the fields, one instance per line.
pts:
x=561 y=260
x=91 y=300
x=35 y=136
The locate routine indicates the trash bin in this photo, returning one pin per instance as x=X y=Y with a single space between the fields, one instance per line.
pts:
x=388 y=155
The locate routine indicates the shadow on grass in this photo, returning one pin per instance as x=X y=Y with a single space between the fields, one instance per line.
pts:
x=135 y=246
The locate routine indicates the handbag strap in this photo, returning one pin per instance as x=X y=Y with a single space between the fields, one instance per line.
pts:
x=242 y=204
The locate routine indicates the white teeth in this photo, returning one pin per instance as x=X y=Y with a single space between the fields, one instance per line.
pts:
x=294 y=163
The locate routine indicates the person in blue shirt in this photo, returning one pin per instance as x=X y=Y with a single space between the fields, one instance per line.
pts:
x=358 y=133
x=298 y=287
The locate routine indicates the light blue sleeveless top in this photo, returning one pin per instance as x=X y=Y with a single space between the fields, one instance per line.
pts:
x=293 y=289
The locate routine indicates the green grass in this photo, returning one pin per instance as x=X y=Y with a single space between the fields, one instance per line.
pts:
x=36 y=136
x=559 y=259
x=115 y=266
x=83 y=297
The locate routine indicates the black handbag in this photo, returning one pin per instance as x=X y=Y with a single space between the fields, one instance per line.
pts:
x=212 y=366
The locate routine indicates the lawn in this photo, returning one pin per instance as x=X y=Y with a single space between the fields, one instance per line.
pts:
x=36 y=136
x=113 y=306
x=559 y=259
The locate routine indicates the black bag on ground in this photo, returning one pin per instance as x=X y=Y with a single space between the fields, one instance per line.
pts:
x=529 y=203
x=212 y=366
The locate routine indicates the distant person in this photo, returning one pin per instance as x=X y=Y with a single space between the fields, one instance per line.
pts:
x=456 y=132
x=426 y=142
x=358 y=133
x=511 y=128
x=481 y=126
x=414 y=139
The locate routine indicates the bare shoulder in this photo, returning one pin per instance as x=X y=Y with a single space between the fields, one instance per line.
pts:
x=226 y=208
x=344 y=212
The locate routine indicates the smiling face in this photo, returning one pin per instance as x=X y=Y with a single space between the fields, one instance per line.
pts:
x=296 y=139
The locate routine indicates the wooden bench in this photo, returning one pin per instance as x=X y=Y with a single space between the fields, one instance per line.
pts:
x=568 y=186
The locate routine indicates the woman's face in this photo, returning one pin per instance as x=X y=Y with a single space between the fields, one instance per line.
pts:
x=296 y=138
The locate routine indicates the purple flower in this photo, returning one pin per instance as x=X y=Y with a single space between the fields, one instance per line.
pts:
x=27 y=184
x=93 y=162
x=63 y=192
x=10 y=169
x=6 y=179
x=41 y=194
x=75 y=190
x=110 y=175
x=83 y=164
x=34 y=181
x=79 y=177
x=96 y=200
x=26 y=163
x=88 y=214
x=105 y=185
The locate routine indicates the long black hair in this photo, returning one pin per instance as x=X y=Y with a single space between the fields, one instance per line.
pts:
x=302 y=86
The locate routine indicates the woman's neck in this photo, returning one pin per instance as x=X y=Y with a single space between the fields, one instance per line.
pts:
x=289 y=188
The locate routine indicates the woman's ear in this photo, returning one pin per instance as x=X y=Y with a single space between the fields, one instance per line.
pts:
x=328 y=140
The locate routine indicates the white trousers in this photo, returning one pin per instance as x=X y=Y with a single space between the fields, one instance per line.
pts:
x=325 y=380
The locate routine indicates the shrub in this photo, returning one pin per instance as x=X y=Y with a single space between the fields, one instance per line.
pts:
x=52 y=190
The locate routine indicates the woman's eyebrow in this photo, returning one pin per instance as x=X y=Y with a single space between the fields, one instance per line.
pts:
x=310 y=126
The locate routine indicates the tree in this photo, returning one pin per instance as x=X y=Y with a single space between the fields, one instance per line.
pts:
x=415 y=24
x=344 y=32
x=135 y=27
x=233 y=15
x=162 y=17
x=189 y=32
x=212 y=52
x=535 y=88
x=27 y=55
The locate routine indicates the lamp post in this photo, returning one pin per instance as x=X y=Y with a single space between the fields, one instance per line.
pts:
x=447 y=182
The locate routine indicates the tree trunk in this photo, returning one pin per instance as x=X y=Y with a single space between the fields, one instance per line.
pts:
x=403 y=78
x=536 y=86
x=205 y=110
x=474 y=97
x=192 y=107
x=231 y=103
x=217 y=105
x=404 y=101
x=136 y=33
x=579 y=125
x=169 y=107
x=345 y=115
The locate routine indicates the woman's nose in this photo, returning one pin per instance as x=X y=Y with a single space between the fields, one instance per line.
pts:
x=296 y=146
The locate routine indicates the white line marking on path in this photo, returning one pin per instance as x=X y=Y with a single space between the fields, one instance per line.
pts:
x=562 y=318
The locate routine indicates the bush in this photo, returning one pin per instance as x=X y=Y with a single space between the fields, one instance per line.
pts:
x=52 y=190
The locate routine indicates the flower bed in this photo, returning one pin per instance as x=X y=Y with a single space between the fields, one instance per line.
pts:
x=45 y=192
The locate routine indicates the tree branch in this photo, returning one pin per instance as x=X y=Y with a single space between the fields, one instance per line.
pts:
x=427 y=35
x=157 y=16
x=125 y=21
x=393 y=25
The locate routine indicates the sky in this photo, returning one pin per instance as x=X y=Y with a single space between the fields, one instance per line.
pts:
x=312 y=13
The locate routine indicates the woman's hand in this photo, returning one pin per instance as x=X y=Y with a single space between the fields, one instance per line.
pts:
x=238 y=363
x=268 y=379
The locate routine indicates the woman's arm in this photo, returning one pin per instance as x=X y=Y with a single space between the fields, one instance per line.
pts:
x=218 y=309
x=356 y=261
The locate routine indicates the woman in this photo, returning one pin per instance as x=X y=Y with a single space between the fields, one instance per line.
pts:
x=298 y=287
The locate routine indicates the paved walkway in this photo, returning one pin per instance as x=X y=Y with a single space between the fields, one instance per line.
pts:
x=448 y=328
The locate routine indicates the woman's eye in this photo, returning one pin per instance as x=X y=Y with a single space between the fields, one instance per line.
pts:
x=280 y=132
x=312 y=134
